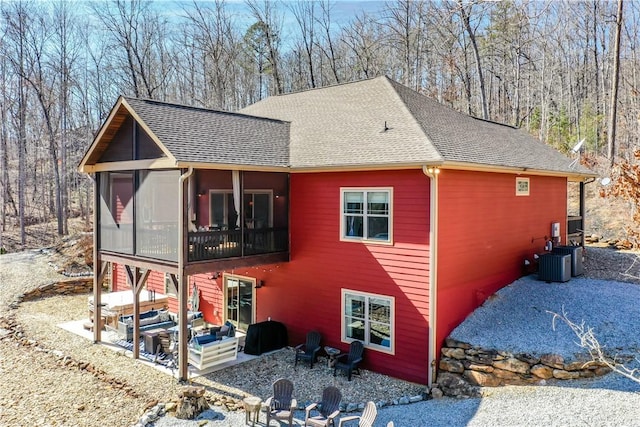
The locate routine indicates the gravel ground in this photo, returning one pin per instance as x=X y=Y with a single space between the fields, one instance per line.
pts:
x=116 y=390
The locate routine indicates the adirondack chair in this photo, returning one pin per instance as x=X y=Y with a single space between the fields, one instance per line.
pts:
x=367 y=418
x=349 y=362
x=328 y=409
x=281 y=405
x=308 y=352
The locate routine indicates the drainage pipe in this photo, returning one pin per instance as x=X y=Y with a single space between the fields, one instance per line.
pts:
x=432 y=173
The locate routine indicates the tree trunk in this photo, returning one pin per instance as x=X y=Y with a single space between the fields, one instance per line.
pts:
x=611 y=143
x=466 y=19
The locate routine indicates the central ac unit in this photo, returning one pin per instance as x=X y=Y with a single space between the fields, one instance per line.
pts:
x=554 y=267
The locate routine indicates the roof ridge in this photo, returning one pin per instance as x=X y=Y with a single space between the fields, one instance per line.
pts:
x=333 y=85
x=439 y=104
x=203 y=109
x=390 y=84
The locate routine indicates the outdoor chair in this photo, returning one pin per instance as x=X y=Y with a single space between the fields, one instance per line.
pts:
x=349 y=362
x=327 y=409
x=367 y=418
x=281 y=405
x=308 y=352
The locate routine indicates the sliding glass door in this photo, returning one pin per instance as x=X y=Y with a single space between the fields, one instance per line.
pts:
x=239 y=301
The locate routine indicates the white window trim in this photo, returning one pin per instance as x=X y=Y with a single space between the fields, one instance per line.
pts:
x=519 y=192
x=343 y=236
x=345 y=339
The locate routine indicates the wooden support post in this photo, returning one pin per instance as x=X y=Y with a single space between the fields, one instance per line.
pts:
x=97 y=284
x=136 y=280
x=183 y=297
x=582 y=213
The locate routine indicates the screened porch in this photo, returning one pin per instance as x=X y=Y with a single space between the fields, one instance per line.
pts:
x=229 y=214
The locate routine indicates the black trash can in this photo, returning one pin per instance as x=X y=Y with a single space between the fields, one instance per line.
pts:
x=577 y=256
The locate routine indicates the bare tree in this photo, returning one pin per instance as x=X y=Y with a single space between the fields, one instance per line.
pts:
x=328 y=47
x=405 y=23
x=304 y=14
x=140 y=34
x=588 y=340
x=268 y=28
x=465 y=14
x=15 y=18
x=363 y=39
x=210 y=30
x=611 y=143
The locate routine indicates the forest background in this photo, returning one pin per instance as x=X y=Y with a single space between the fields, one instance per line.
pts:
x=563 y=70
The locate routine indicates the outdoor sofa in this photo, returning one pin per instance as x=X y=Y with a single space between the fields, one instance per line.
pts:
x=151 y=319
x=214 y=348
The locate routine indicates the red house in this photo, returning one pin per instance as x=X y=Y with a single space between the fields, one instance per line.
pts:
x=365 y=211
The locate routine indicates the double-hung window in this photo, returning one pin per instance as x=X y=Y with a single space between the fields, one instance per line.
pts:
x=368 y=318
x=366 y=214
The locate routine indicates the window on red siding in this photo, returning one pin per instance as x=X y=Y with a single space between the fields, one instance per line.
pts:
x=366 y=214
x=368 y=318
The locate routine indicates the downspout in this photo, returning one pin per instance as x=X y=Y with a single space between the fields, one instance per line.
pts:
x=183 y=284
x=432 y=173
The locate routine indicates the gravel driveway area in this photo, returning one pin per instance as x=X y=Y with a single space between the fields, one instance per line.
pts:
x=52 y=377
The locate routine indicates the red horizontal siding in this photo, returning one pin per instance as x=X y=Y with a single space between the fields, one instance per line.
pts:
x=305 y=293
x=485 y=234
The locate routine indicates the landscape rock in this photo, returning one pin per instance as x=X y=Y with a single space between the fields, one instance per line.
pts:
x=542 y=371
x=454 y=353
x=482 y=367
x=554 y=360
x=451 y=365
x=192 y=403
x=565 y=375
x=513 y=365
x=482 y=379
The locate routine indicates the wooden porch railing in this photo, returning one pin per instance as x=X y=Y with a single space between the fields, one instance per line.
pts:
x=216 y=244
x=161 y=243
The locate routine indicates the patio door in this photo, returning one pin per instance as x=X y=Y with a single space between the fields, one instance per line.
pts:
x=239 y=301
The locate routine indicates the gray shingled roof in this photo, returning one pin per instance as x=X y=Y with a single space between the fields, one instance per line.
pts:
x=343 y=125
x=209 y=136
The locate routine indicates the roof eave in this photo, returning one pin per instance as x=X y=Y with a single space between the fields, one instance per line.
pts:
x=478 y=167
x=364 y=167
x=232 y=166
x=82 y=166
x=87 y=167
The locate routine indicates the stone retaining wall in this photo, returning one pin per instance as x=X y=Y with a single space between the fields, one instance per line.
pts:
x=78 y=285
x=464 y=367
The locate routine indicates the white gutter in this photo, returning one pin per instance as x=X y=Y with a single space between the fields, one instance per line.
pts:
x=183 y=285
x=432 y=173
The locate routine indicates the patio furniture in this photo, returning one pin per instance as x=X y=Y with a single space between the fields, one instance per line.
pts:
x=281 y=405
x=308 y=352
x=152 y=319
x=328 y=409
x=152 y=340
x=367 y=418
x=205 y=351
x=349 y=362
x=332 y=353
x=115 y=304
x=227 y=330
x=252 y=407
